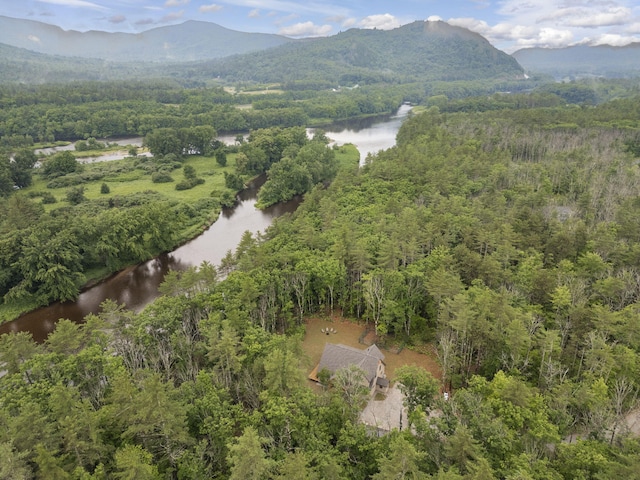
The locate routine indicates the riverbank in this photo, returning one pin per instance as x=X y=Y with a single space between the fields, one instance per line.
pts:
x=190 y=248
x=228 y=231
x=124 y=181
x=329 y=123
x=14 y=310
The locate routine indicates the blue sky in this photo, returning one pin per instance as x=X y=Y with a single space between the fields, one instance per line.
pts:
x=507 y=24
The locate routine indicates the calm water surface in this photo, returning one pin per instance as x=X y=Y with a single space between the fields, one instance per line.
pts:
x=370 y=135
x=137 y=286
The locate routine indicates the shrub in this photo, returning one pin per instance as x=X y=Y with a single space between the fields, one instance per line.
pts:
x=188 y=183
x=104 y=188
x=186 y=210
x=233 y=181
x=161 y=177
x=76 y=195
x=206 y=204
x=47 y=198
x=221 y=157
x=75 y=179
x=60 y=164
x=189 y=172
x=227 y=199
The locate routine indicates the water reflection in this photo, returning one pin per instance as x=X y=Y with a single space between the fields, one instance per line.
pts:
x=124 y=141
x=370 y=135
x=137 y=286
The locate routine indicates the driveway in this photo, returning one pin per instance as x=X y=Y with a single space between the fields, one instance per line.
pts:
x=386 y=414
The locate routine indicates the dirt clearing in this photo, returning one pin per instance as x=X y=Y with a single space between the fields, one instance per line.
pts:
x=349 y=333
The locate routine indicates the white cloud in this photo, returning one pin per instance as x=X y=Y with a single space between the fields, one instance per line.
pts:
x=349 y=22
x=76 y=3
x=175 y=3
x=172 y=17
x=308 y=7
x=289 y=18
x=209 y=8
x=336 y=19
x=306 y=29
x=557 y=23
x=588 y=18
x=255 y=13
x=614 y=39
x=549 y=37
x=518 y=36
x=473 y=24
x=34 y=39
x=633 y=28
x=482 y=3
x=385 y=21
x=434 y=18
x=117 y=19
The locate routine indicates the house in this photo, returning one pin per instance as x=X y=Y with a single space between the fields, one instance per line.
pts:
x=370 y=360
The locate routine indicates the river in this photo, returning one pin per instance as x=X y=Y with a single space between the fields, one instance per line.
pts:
x=370 y=135
x=124 y=141
x=137 y=286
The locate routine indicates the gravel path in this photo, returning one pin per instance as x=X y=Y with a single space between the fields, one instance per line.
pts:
x=386 y=414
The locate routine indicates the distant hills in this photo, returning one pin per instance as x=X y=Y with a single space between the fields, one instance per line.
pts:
x=417 y=52
x=420 y=51
x=200 y=51
x=581 y=61
x=20 y=65
x=189 y=41
x=36 y=52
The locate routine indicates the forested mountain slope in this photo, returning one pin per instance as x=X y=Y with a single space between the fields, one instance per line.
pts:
x=420 y=51
x=19 y=65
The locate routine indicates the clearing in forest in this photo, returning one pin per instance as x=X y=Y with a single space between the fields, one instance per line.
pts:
x=349 y=333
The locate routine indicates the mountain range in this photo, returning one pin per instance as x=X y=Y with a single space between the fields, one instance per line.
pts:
x=419 y=51
x=32 y=51
x=188 y=41
x=580 y=61
x=199 y=51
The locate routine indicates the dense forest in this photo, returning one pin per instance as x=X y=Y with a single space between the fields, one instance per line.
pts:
x=78 y=110
x=502 y=230
x=54 y=237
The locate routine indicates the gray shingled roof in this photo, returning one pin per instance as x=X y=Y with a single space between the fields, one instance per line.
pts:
x=382 y=382
x=337 y=356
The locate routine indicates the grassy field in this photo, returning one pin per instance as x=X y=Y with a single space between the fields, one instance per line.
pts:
x=347 y=156
x=124 y=180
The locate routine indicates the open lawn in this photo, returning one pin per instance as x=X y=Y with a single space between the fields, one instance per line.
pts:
x=122 y=182
x=348 y=333
x=347 y=156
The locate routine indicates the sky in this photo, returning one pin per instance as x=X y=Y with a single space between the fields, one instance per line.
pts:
x=508 y=24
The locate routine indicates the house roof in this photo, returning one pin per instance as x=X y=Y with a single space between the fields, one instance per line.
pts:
x=382 y=382
x=337 y=356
